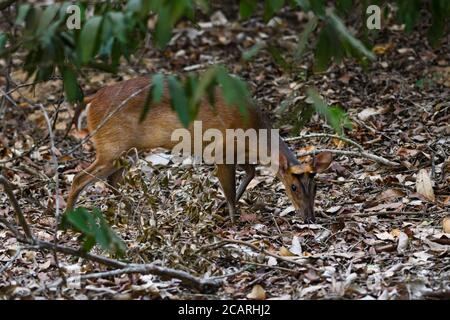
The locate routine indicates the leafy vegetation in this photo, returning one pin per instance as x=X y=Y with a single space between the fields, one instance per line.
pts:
x=95 y=230
x=111 y=31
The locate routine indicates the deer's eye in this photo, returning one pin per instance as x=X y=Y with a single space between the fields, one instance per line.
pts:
x=294 y=187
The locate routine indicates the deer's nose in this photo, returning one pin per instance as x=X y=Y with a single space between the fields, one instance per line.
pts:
x=309 y=215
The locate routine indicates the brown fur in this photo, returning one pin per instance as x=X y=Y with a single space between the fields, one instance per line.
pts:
x=123 y=131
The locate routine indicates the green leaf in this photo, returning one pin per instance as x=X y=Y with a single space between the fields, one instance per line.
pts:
x=3 y=39
x=81 y=220
x=271 y=7
x=235 y=91
x=335 y=116
x=154 y=96
x=88 y=38
x=89 y=243
x=408 y=13
x=134 y=5
x=318 y=7
x=278 y=58
x=440 y=11
x=95 y=230
x=163 y=29
x=344 y=6
x=323 y=52
x=47 y=17
x=304 y=4
x=208 y=78
x=22 y=14
x=247 y=7
x=345 y=34
x=178 y=100
x=303 y=38
x=71 y=88
x=32 y=21
x=118 y=25
x=250 y=53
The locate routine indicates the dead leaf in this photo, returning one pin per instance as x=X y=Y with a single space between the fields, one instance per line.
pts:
x=367 y=113
x=446 y=201
x=333 y=209
x=424 y=185
x=284 y=252
x=446 y=224
x=159 y=159
x=385 y=206
x=396 y=232
x=389 y=194
x=380 y=49
x=296 y=247
x=272 y=261
x=257 y=293
x=385 y=236
x=402 y=242
x=248 y=217
x=287 y=211
x=407 y=153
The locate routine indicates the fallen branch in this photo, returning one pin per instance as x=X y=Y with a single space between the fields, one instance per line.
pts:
x=382 y=213
x=363 y=154
x=201 y=284
x=326 y=135
x=56 y=176
x=10 y=262
x=15 y=205
x=250 y=245
x=10 y=227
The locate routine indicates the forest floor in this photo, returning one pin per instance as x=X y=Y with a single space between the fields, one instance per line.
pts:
x=376 y=237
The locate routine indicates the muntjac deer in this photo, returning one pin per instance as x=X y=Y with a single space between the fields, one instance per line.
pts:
x=124 y=131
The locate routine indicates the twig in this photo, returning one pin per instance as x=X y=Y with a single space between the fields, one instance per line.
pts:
x=326 y=135
x=17 y=209
x=10 y=227
x=105 y=119
x=270 y=267
x=10 y=262
x=250 y=245
x=56 y=175
x=205 y=284
x=364 y=154
x=383 y=213
x=201 y=284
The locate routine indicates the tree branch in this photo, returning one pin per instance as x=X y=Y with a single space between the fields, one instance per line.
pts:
x=363 y=154
x=252 y=246
x=17 y=209
x=201 y=284
x=323 y=135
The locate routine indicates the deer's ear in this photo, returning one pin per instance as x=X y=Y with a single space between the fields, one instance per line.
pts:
x=322 y=161
x=284 y=164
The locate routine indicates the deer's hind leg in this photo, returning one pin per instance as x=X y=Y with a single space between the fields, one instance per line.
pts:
x=226 y=173
x=99 y=169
